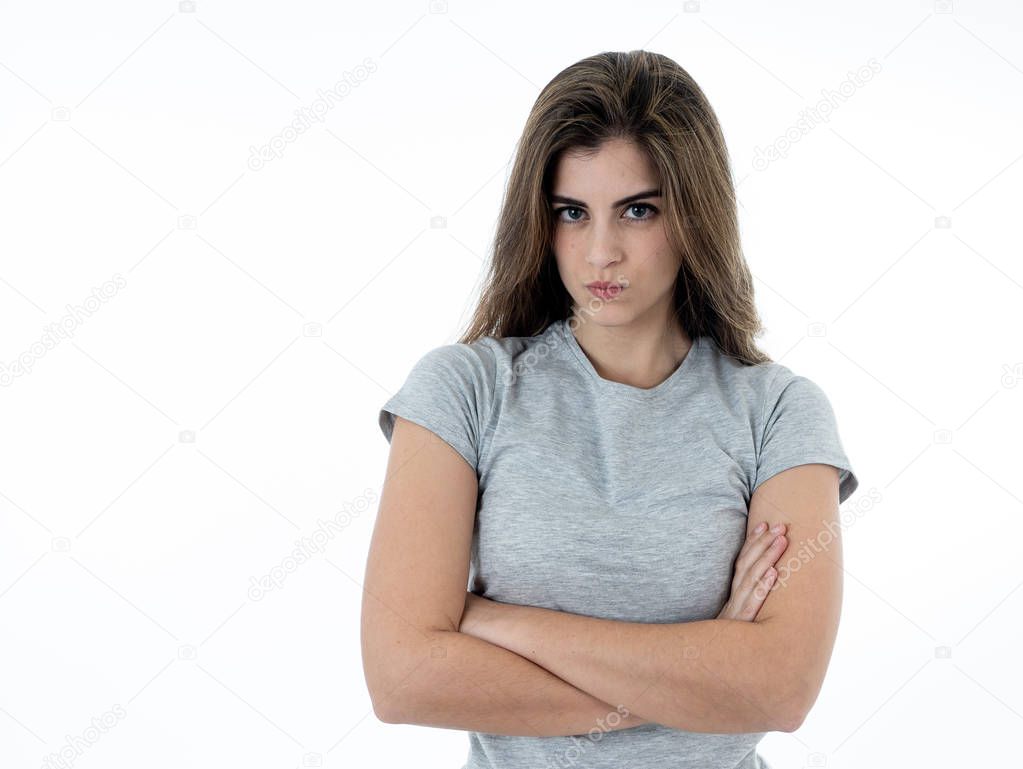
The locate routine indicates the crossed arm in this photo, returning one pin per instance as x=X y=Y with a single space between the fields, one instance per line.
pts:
x=716 y=675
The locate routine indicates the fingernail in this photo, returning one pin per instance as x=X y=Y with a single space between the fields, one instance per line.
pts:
x=760 y=528
x=777 y=527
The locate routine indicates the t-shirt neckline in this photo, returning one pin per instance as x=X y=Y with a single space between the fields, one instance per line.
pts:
x=680 y=374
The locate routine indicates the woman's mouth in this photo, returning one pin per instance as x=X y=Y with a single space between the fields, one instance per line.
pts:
x=604 y=289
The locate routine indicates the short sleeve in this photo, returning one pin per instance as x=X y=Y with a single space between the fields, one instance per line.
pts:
x=800 y=428
x=448 y=392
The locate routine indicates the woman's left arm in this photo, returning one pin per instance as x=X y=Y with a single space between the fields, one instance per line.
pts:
x=719 y=675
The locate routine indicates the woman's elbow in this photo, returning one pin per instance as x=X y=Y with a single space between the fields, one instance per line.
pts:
x=792 y=720
x=390 y=700
x=389 y=692
x=795 y=705
x=395 y=679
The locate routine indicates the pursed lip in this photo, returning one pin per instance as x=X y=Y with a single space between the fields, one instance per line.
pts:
x=603 y=285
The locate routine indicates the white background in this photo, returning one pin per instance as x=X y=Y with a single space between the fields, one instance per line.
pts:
x=198 y=422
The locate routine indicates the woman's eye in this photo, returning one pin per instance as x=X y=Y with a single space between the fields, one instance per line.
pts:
x=568 y=208
x=645 y=208
x=649 y=208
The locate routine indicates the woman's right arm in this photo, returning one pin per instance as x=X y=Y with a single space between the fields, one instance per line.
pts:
x=419 y=669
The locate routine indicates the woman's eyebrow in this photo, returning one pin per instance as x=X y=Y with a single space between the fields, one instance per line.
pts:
x=655 y=193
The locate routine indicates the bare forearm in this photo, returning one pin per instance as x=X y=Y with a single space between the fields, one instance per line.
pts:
x=455 y=681
x=706 y=676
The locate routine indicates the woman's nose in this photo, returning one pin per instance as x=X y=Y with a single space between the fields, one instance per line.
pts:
x=604 y=247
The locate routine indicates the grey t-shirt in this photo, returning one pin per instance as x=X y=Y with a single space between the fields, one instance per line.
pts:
x=613 y=501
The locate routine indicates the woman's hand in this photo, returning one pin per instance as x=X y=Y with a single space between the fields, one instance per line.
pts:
x=755 y=574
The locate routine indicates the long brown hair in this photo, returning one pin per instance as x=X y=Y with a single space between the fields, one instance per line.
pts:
x=649 y=99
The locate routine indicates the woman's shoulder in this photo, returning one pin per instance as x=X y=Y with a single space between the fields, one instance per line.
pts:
x=767 y=385
x=484 y=362
x=757 y=378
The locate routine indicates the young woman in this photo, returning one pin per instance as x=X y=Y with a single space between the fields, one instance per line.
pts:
x=597 y=460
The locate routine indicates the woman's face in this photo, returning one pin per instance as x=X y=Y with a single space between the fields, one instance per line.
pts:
x=608 y=226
